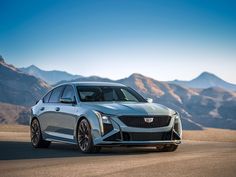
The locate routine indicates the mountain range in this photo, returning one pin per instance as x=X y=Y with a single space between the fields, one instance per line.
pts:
x=199 y=107
x=19 y=88
x=51 y=77
x=206 y=80
x=18 y=91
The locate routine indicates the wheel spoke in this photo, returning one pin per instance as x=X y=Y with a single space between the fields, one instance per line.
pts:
x=81 y=129
x=83 y=135
x=82 y=141
x=35 y=132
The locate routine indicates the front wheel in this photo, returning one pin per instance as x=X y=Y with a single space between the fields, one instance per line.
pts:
x=85 y=139
x=36 y=136
x=167 y=148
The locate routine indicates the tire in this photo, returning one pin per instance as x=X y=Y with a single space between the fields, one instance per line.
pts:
x=167 y=148
x=85 y=139
x=36 y=135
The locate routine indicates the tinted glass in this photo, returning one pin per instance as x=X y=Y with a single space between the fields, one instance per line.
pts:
x=46 y=97
x=68 y=92
x=56 y=93
x=129 y=96
x=108 y=93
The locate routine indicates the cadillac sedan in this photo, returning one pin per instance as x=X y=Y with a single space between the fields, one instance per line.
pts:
x=98 y=114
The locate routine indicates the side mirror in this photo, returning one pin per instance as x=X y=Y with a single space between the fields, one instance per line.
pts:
x=149 y=100
x=67 y=101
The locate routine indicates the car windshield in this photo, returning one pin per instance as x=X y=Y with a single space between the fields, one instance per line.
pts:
x=108 y=93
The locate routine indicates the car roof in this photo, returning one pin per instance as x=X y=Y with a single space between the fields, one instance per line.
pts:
x=96 y=84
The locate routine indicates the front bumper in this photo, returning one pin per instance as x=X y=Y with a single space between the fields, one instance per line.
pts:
x=138 y=143
x=122 y=135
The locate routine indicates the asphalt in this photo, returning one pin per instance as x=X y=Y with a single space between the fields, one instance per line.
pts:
x=193 y=158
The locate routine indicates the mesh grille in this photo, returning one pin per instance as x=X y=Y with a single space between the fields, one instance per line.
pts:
x=139 y=122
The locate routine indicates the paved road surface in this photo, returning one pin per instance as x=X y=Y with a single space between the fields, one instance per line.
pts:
x=205 y=159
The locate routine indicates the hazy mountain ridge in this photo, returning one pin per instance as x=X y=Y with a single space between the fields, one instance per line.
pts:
x=210 y=107
x=206 y=80
x=18 y=91
x=50 y=77
x=19 y=88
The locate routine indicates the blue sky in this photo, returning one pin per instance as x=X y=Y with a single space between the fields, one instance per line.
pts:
x=115 y=38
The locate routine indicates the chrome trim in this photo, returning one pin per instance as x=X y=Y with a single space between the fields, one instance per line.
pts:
x=61 y=141
x=61 y=135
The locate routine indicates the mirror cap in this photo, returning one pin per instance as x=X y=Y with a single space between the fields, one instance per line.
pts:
x=149 y=100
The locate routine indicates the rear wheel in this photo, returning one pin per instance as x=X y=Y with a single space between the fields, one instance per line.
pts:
x=167 y=148
x=36 y=136
x=85 y=139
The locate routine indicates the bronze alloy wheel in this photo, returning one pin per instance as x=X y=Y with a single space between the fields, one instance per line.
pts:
x=85 y=141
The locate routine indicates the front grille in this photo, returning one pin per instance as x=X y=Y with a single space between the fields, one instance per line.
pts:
x=157 y=136
x=138 y=121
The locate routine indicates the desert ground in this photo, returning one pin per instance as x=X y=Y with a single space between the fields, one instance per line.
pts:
x=211 y=152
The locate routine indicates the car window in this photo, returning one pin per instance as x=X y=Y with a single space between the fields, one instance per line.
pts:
x=46 y=97
x=108 y=93
x=89 y=94
x=68 y=92
x=56 y=94
x=128 y=95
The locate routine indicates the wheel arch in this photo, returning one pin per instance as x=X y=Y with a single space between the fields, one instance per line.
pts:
x=93 y=123
x=77 y=124
x=32 y=118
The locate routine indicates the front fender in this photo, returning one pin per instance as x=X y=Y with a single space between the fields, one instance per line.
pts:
x=94 y=124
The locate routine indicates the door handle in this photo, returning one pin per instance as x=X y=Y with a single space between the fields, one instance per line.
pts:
x=42 y=108
x=57 y=109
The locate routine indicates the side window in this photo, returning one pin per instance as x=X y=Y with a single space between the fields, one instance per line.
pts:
x=68 y=92
x=56 y=94
x=46 y=97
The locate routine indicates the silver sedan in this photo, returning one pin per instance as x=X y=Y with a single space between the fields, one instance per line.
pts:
x=97 y=114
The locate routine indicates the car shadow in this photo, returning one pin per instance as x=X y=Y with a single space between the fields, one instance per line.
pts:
x=15 y=150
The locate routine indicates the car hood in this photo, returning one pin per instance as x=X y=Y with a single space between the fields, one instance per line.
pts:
x=130 y=108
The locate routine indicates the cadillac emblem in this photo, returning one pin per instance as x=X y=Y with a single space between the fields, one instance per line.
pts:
x=148 y=119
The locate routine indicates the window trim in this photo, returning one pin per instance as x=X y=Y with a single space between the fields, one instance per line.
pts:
x=50 y=93
x=72 y=90
x=135 y=93
x=59 y=95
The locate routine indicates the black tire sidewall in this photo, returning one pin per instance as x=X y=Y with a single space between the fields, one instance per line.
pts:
x=40 y=134
x=91 y=148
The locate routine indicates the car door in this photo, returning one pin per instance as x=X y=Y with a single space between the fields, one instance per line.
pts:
x=48 y=119
x=66 y=116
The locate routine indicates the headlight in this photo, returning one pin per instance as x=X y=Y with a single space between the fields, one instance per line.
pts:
x=103 y=119
x=176 y=116
x=106 y=119
x=178 y=125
